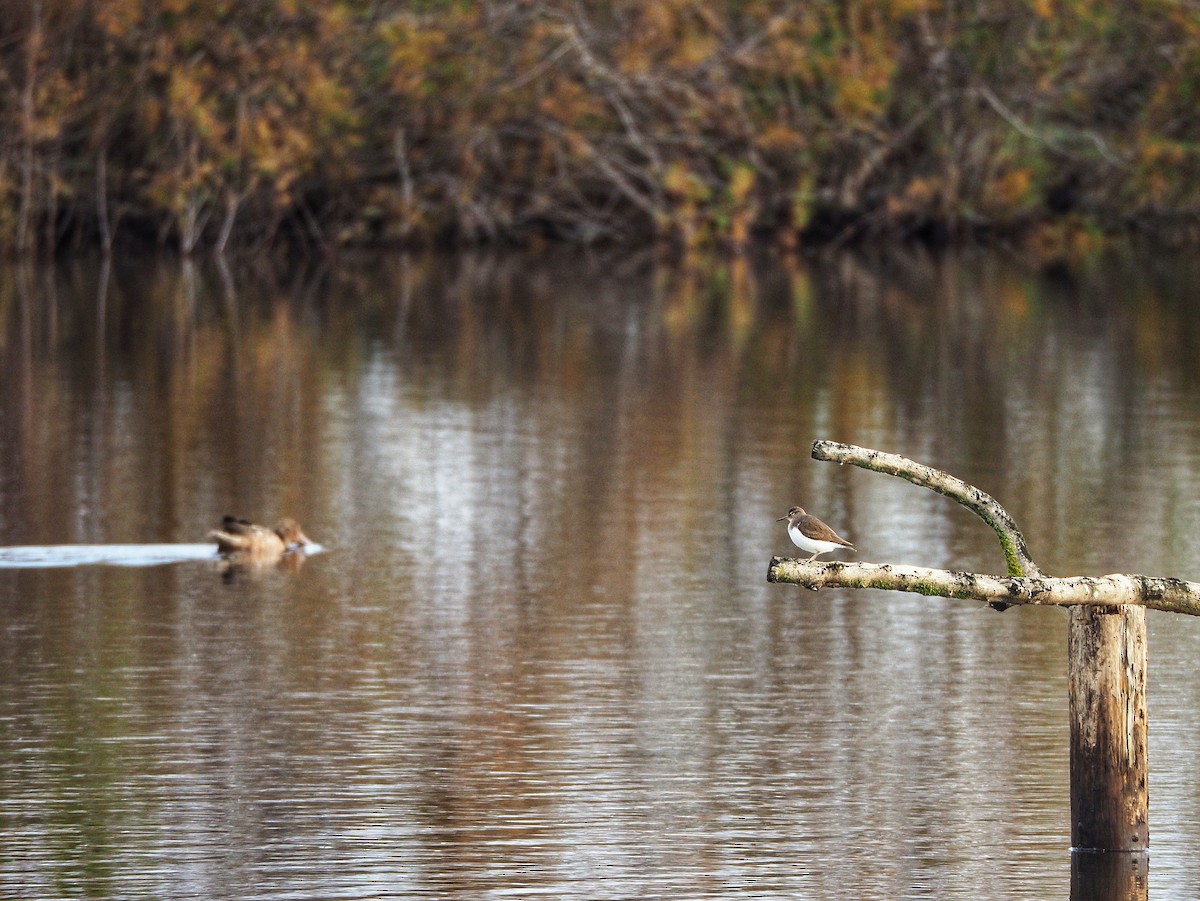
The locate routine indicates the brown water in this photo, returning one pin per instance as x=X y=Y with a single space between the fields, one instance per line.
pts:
x=539 y=656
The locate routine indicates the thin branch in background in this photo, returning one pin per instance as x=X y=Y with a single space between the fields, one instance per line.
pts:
x=1040 y=137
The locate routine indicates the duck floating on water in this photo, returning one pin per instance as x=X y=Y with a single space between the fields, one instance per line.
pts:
x=242 y=537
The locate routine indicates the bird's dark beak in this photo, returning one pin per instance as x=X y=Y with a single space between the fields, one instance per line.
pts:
x=782 y=518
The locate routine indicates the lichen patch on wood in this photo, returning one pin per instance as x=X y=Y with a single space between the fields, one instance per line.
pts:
x=1111 y=591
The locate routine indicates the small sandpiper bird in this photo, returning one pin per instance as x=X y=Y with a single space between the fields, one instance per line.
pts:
x=810 y=534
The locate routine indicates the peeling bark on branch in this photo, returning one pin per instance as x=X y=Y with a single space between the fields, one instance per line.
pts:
x=1172 y=595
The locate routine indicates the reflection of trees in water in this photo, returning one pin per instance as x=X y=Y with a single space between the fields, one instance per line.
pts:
x=144 y=399
x=516 y=463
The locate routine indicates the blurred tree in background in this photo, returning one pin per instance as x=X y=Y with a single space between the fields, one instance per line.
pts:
x=214 y=123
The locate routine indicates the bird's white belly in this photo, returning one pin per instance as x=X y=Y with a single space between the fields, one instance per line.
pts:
x=811 y=545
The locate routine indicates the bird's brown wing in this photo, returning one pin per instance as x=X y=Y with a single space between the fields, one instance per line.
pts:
x=818 y=531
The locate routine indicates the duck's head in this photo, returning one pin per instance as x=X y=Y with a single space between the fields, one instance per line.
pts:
x=290 y=533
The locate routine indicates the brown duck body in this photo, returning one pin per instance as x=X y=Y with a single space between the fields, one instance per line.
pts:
x=240 y=536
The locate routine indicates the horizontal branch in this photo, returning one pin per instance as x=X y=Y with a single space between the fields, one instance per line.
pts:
x=1171 y=595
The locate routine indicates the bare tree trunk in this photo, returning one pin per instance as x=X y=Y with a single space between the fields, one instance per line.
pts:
x=106 y=238
x=407 y=194
x=233 y=200
x=50 y=202
x=33 y=51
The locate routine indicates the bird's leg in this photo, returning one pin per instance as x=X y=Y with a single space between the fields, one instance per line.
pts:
x=813 y=557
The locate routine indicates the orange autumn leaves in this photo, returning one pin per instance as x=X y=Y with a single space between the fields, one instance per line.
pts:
x=206 y=123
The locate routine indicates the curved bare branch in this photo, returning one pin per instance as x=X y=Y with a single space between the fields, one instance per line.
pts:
x=1016 y=553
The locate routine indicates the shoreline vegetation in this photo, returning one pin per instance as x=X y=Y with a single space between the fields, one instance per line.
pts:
x=214 y=125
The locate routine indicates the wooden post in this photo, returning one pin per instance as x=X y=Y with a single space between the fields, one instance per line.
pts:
x=1106 y=671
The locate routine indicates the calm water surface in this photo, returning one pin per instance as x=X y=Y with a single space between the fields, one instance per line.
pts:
x=539 y=656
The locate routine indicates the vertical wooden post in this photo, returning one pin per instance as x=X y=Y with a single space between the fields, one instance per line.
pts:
x=1106 y=654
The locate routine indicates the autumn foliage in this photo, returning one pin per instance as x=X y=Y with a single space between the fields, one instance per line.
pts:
x=198 y=123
